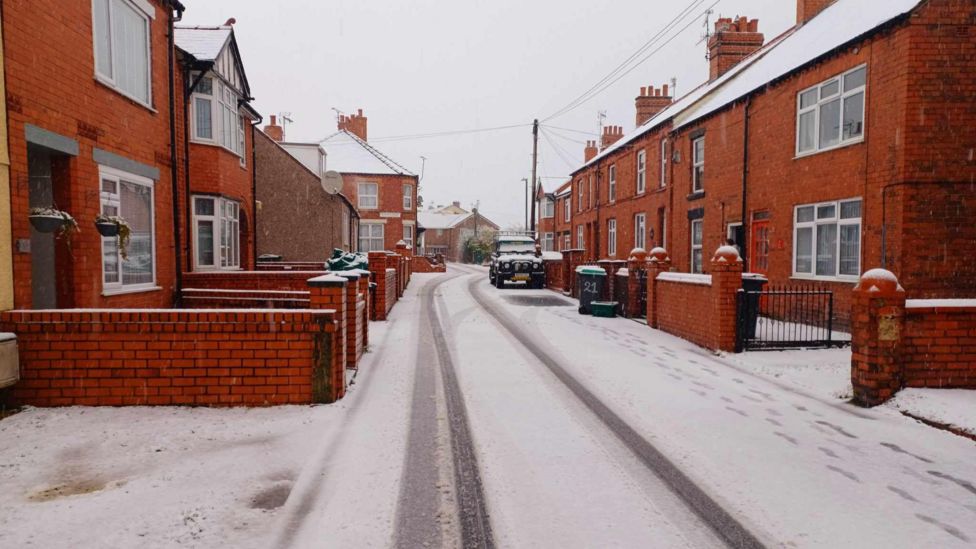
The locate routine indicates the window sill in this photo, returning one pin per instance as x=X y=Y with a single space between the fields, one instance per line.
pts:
x=838 y=279
x=696 y=196
x=850 y=143
x=135 y=290
x=138 y=102
x=659 y=190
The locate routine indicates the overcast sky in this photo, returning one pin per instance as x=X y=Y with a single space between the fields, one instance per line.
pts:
x=428 y=66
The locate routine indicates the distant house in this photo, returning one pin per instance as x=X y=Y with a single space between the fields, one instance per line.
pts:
x=297 y=219
x=446 y=231
x=383 y=191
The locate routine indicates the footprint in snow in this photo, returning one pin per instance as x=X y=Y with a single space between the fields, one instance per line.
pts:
x=849 y=475
x=736 y=410
x=828 y=452
x=899 y=450
x=786 y=437
x=904 y=494
x=948 y=528
x=774 y=422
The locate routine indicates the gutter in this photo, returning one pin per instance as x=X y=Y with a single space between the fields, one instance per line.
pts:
x=171 y=63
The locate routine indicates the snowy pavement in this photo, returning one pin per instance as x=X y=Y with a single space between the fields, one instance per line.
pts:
x=766 y=438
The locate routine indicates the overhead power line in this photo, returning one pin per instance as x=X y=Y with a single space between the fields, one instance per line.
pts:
x=623 y=70
x=447 y=133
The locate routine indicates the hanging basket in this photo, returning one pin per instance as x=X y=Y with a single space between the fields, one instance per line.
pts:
x=107 y=228
x=47 y=223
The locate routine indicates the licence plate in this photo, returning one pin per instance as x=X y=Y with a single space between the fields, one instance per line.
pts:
x=521 y=278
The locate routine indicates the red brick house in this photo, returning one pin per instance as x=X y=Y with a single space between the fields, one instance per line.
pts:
x=219 y=192
x=834 y=148
x=447 y=231
x=383 y=191
x=75 y=101
x=297 y=219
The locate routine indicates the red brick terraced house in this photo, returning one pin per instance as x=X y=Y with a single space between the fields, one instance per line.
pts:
x=91 y=110
x=383 y=191
x=219 y=192
x=447 y=233
x=843 y=144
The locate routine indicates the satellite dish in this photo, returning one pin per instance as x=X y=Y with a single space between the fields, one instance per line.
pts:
x=331 y=182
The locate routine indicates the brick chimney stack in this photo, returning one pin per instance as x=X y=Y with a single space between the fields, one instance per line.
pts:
x=650 y=102
x=808 y=9
x=611 y=134
x=590 y=151
x=355 y=124
x=733 y=41
x=274 y=131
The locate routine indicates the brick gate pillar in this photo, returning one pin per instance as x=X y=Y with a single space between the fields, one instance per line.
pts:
x=377 y=266
x=636 y=264
x=354 y=334
x=726 y=268
x=877 y=321
x=329 y=292
x=658 y=262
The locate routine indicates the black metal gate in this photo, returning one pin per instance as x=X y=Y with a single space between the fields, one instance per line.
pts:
x=642 y=293
x=786 y=317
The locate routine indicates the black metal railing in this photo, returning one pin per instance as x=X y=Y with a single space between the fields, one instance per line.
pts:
x=786 y=317
x=642 y=293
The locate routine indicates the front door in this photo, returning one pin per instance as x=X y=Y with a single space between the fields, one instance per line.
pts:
x=759 y=254
x=44 y=293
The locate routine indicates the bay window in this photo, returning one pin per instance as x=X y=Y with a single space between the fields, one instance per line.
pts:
x=129 y=197
x=216 y=233
x=216 y=117
x=121 y=43
x=827 y=240
x=831 y=114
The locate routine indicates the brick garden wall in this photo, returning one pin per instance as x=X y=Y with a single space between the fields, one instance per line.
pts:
x=939 y=346
x=168 y=357
x=681 y=310
x=250 y=280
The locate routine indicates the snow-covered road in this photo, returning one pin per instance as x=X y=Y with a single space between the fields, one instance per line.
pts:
x=498 y=418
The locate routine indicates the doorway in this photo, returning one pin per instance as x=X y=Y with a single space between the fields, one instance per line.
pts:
x=759 y=254
x=44 y=290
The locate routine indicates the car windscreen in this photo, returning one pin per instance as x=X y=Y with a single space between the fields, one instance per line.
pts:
x=516 y=247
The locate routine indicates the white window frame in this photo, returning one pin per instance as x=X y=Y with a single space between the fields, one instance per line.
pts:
x=567 y=241
x=664 y=163
x=612 y=237
x=641 y=171
x=580 y=245
x=227 y=125
x=817 y=107
x=226 y=257
x=640 y=231
x=360 y=195
x=144 y=10
x=407 y=197
x=589 y=203
x=408 y=235
x=548 y=208
x=612 y=184
x=815 y=226
x=346 y=228
x=363 y=225
x=698 y=165
x=548 y=242
x=567 y=209
x=114 y=200
x=699 y=267
x=579 y=196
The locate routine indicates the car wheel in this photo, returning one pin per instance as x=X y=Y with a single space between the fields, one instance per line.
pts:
x=499 y=283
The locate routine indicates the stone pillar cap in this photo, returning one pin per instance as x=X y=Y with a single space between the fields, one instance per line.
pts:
x=727 y=254
x=881 y=281
x=659 y=254
x=638 y=254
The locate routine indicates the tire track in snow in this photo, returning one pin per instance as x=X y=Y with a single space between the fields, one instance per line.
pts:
x=728 y=528
x=469 y=492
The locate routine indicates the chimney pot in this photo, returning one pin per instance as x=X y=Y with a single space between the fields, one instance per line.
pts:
x=732 y=42
x=665 y=90
x=643 y=91
x=808 y=9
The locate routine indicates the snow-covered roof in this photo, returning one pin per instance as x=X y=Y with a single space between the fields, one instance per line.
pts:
x=347 y=153
x=437 y=220
x=203 y=43
x=835 y=26
x=838 y=24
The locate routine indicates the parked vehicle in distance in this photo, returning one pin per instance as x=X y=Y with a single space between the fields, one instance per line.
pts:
x=516 y=258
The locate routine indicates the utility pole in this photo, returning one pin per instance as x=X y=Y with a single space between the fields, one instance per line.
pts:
x=535 y=162
x=525 y=204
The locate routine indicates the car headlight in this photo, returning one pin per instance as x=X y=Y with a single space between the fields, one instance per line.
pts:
x=507 y=265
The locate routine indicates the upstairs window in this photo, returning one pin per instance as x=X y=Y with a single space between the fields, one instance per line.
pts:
x=567 y=208
x=612 y=183
x=579 y=195
x=216 y=116
x=698 y=165
x=641 y=172
x=589 y=202
x=121 y=41
x=408 y=197
x=369 y=198
x=831 y=114
x=548 y=209
x=664 y=163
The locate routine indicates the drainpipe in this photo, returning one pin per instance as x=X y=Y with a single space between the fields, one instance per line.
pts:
x=254 y=196
x=172 y=155
x=744 y=245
